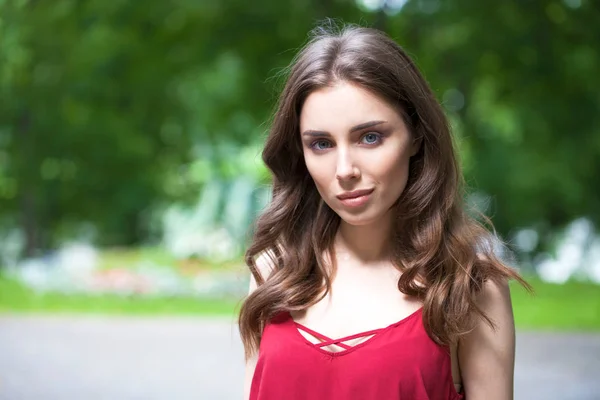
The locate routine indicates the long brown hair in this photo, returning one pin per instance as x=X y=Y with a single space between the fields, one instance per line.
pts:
x=444 y=254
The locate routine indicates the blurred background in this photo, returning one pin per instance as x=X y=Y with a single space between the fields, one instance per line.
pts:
x=130 y=174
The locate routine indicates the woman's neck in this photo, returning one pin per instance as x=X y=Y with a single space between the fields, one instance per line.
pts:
x=364 y=243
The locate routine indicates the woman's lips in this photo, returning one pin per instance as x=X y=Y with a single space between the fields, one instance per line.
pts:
x=356 y=201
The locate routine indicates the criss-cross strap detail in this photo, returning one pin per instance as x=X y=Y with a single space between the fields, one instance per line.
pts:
x=339 y=342
x=319 y=336
x=326 y=341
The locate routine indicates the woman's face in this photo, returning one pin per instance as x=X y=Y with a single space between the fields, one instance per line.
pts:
x=353 y=141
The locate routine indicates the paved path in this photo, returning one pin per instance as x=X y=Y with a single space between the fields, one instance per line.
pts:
x=116 y=358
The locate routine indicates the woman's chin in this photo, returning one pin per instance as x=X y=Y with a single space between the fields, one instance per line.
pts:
x=357 y=220
x=365 y=217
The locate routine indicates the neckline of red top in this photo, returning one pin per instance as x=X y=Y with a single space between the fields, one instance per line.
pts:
x=376 y=333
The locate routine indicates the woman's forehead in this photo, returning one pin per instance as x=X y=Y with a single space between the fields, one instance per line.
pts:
x=342 y=107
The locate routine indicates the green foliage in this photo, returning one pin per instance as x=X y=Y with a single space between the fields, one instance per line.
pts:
x=108 y=109
x=102 y=104
x=526 y=73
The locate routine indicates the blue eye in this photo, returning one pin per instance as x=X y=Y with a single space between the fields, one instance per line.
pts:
x=315 y=144
x=372 y=138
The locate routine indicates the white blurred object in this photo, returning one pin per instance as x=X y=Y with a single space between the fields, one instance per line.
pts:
x=592 y=260
x=526 y=240
x=576 y=255
x=34 y=273
x=12 y=243
x=77 y=258
x=62 y=270
x=198 y=232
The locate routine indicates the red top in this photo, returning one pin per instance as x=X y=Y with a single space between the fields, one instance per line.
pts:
x=399 y=362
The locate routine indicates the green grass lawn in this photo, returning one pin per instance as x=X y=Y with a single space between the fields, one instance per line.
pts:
x=572 y=306
x=16 y=298
x=128 y=257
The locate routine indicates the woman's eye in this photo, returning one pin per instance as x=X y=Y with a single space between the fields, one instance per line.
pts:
x=371 y=138
x=320 y=145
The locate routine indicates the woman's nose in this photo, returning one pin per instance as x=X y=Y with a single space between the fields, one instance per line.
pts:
x=346 y=168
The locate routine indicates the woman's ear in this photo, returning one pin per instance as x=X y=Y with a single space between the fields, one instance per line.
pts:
x=416 y=145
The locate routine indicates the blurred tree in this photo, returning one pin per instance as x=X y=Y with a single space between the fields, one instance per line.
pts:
x=86 y=107
x=522 y=80
x=102 y=103
x=107 y=108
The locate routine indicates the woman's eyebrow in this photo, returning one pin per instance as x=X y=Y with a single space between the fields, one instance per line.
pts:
x=359 y=127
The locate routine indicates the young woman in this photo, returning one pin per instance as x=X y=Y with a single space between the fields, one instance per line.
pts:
x=369 y=279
